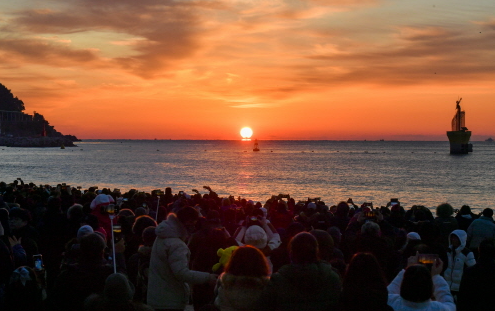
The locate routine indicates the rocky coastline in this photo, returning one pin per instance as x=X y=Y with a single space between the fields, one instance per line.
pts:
x=39 y=142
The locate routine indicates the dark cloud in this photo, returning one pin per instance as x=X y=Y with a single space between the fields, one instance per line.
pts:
x=417 y=57
x=42 y=52
x=170 y=30
x=174 y=34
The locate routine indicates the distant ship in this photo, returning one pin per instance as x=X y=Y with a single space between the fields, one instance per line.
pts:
x=256 y=147
x=489 y=139
x=459 y=136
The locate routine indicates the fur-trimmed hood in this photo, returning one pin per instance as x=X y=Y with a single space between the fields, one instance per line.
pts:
x=171 y=228
x=228 y=280
x=239 y=292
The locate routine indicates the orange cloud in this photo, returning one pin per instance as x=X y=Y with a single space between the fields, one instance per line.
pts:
x=158 y=67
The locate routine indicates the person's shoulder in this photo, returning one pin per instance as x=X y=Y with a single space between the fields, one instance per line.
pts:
x=228 y=279
x=395 y=301
x=326 y=269
x=141 y=307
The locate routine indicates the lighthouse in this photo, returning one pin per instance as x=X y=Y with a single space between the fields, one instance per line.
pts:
x=459 y=136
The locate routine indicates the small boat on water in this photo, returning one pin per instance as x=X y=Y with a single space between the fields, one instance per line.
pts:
x=489 y=139
x=256 y=147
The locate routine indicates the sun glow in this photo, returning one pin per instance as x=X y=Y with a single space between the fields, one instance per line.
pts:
x=246 y=133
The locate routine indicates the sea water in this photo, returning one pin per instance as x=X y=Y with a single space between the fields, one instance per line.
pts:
x=367 y=171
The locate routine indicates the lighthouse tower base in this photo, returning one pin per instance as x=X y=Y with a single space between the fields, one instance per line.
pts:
x=459 y=142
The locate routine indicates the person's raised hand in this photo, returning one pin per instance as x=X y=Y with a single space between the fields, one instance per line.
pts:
x=120 y=246
x=263 y=221
x=14 y=241
x=379 y=216
x=437 y=267
x=412 y=260
x=361 y=217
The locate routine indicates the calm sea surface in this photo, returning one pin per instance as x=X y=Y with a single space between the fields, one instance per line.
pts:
x=415 y=172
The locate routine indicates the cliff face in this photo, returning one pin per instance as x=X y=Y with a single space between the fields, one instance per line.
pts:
x=20 y=124
x=20 y=129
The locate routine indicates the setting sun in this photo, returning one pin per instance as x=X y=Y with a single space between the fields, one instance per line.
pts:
x=246 y=132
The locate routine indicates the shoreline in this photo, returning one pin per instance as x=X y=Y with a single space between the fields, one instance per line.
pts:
x=36 y=142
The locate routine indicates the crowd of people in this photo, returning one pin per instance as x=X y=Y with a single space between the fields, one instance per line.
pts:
x=65 y=248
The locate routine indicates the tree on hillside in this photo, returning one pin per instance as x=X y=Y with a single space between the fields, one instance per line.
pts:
x=8 y=101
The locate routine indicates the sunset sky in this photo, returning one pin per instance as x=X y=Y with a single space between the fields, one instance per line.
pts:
x=203 y=69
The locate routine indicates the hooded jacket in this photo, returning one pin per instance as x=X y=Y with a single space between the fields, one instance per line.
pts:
x=479 y=230
x=309 y=287
x=237 y=293
x=458 y=259
x=169 y=267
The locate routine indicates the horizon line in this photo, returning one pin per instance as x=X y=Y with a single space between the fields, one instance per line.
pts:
x=189 y=139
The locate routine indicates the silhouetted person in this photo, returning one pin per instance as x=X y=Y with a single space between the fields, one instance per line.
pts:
x=478 y=282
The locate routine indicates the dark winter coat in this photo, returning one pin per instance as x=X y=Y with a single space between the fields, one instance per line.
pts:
x=239 y=293
x=477 y=287
x=310 y=287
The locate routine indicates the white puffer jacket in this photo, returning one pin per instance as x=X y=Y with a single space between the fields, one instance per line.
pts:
x=458 y=259
x=443 y=299
x=169 y=267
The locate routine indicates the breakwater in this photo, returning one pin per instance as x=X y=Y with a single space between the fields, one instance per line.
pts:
x=39 y=142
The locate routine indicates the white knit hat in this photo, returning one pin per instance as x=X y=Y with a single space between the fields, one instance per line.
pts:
x=255 y=236
x=413 y=236
x=101 y=199
x=84 y=231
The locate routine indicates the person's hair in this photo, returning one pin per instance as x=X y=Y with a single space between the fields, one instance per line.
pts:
x=293 y=229
x=27 y=296
x=247 y=261
x=118 y=288
x=488 y=212
x=75 y=212
x=4 y=219
x=445 y=210
x=140 y=211
x=126 y=212
x=282 y=207
x=226 y=202
x=92 y=247
x=216 y=239
x=487 y=249
x=149 y=236
x=417 y=285
x=336 y=235
x=370 y=228
x=325 y=243
x=187 y=213
x=303 y=248
x=20 y=213
x=342 y=210
x=91 y=220
x=364 y=285
x=465 y=210
x=258 y=212
x=141 y=223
